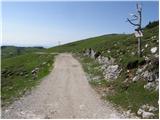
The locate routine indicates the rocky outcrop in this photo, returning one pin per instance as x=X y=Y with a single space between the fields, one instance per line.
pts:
x=110 y=69
x=111 y=72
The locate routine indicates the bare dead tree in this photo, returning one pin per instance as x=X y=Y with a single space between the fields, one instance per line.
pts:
x=138 y=31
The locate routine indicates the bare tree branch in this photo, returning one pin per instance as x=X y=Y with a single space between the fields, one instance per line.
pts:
x=133 y=19
x=132 y=22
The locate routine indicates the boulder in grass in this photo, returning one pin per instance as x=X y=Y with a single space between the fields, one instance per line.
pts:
x=111 y=72
x=154 y=50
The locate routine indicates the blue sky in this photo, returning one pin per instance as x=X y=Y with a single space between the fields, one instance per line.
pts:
x=46 y=23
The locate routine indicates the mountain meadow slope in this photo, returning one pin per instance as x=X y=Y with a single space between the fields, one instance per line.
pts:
x=117 y=73
x=22 y=69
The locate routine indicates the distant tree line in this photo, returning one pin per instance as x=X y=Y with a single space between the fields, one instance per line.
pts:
x=11 y=51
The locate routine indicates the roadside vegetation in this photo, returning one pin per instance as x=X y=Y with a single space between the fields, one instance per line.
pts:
x=128 y=96
x=17 y=76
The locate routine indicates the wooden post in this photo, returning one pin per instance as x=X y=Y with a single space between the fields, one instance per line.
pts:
x=139 y=10
x=138 y=30
x=139 y=47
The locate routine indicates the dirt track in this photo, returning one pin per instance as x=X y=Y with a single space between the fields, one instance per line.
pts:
x=65 y=93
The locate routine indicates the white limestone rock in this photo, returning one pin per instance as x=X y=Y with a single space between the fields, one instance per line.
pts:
x=154 y=50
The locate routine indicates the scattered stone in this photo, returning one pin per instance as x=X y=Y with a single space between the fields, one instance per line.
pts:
x=146 y=45
x=96 y=78
x=147 y=115
x=146 y=58
x=146 y=111
x=154 y=49
x=128 y=112
x=37 y=69
x=104 y=60
x=6 y=110
x=145 y=74
x=156 y=55
x=152 y=109
x=149 y=76
x=157 y=87
x=21 y=73
x=150 y=86
x=140 y=111
x=139 y=70
x=103 y=67
x=153 y=37
x=22 y=113
x=133 y=53
x=44 y=63
x=136 y=78
x=145 y=107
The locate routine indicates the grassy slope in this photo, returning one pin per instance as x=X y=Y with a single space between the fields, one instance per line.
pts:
x=16 y=84
x=121 y=46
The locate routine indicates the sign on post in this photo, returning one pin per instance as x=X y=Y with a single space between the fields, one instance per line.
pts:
x=138 y=34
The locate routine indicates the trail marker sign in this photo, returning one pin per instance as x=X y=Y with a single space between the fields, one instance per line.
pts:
x=138 y=34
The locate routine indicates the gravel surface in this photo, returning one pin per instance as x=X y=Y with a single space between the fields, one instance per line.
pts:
x=64 y=93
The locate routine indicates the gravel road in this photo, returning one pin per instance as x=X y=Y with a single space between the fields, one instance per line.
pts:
x=64 y=93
